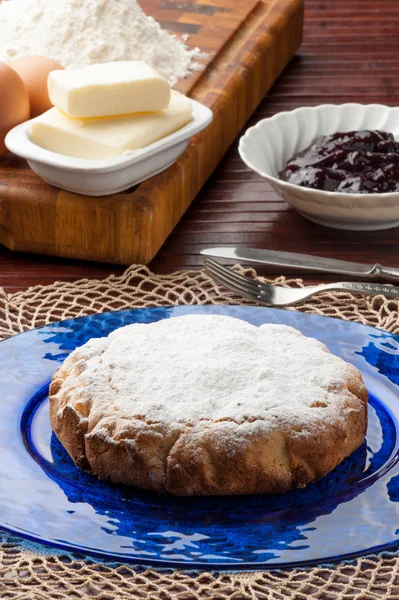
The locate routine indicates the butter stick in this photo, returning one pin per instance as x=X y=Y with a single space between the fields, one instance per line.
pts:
x=102 y=138
x=109 y=89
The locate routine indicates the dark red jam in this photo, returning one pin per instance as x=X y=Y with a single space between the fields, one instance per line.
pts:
x=357 y=162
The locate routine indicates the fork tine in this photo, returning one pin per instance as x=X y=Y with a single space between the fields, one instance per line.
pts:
x=229 y=278
x=233 y=275
x=233 y=288
x=231 y=284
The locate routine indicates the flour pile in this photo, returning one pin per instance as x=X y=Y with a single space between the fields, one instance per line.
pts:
x=77 y=33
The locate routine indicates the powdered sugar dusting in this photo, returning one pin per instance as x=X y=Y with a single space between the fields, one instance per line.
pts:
x=207 y=367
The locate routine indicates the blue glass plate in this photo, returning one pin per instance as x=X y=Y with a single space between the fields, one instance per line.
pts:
x=44 y=497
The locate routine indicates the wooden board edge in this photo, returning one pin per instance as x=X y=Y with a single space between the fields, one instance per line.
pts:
x=242 y=101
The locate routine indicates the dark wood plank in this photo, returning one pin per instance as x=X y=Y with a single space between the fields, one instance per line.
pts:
x=350 y=53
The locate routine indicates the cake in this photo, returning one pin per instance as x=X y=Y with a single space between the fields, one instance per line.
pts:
x=208 y=405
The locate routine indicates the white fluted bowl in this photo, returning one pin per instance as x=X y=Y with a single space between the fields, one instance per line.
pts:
x=267 y=147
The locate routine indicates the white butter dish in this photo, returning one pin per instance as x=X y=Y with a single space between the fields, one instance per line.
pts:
x=106 y=176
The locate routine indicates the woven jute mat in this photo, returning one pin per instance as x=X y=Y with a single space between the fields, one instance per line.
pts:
x=33 y=573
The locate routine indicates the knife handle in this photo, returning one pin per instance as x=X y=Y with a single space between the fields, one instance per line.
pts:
x=381 y=273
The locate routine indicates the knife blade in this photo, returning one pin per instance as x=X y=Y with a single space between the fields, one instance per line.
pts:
x=305 y=262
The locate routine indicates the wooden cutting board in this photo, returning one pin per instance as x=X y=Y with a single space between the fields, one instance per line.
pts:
x=248 y=43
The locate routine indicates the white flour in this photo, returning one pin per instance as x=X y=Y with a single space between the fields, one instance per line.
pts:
x=77 y=33
x=196 y=367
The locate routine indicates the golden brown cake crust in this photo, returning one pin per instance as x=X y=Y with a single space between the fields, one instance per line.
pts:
x=261 y=453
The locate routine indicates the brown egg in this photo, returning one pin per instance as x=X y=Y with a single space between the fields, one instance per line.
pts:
x=34 y=72
x=14 y=102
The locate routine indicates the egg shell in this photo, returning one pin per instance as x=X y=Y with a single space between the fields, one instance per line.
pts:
x=34 y=71
x=14 y=102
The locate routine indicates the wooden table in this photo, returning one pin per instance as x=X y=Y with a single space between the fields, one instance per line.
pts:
x=350 y=54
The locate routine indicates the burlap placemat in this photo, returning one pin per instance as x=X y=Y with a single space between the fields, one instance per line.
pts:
x=35 y=574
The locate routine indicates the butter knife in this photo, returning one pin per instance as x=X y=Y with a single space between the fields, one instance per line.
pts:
x=306 y=263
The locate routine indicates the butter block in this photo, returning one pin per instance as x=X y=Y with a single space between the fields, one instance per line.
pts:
x=104 y=90
x=108 y=137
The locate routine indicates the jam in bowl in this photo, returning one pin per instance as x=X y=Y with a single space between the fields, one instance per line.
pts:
x=337 y=165
x=356 y=162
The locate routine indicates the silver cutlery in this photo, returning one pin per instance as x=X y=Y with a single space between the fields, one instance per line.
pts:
x=306 y=263
x=279 y=296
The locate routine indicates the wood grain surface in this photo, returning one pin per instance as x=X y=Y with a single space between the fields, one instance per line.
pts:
x=247 y=45
x=350 y=53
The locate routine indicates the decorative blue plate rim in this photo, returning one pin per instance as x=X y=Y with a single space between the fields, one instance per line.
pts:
x=351 y=512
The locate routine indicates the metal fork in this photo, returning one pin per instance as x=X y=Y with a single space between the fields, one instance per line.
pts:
x=279 y=296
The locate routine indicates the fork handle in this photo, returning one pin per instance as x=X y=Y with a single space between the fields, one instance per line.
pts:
x=369 y=289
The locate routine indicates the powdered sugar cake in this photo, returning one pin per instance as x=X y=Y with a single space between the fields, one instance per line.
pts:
x=207 y=405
